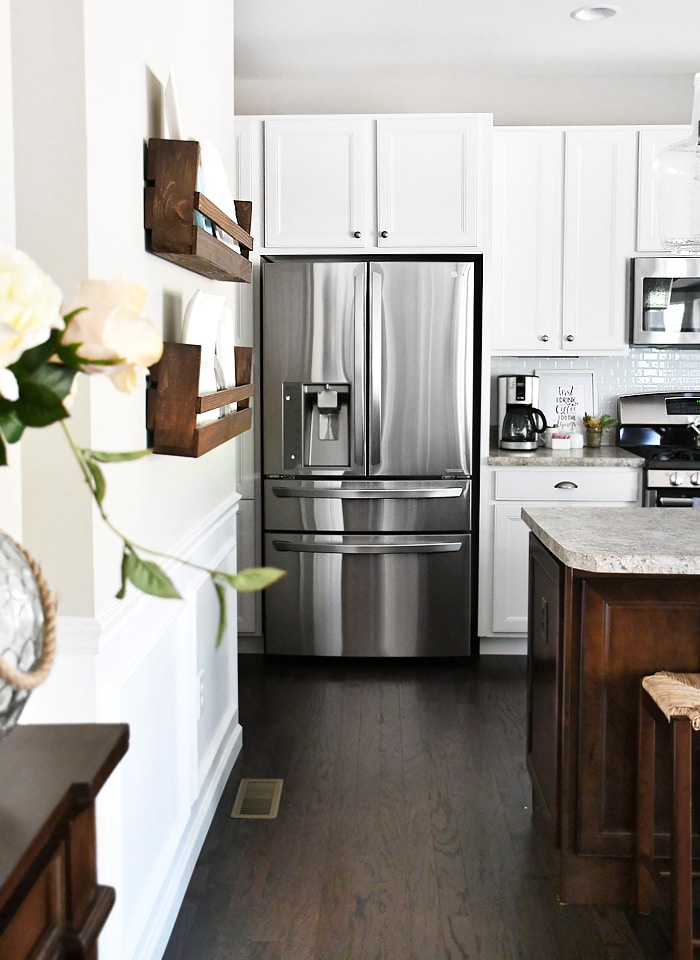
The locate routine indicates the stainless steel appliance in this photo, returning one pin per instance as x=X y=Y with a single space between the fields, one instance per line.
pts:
x=664 y=428
x=666 y=301
x=368 y=394
x=520 y=423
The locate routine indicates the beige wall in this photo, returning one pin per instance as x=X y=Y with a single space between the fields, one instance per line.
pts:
x=512 y=100
x=80 y=127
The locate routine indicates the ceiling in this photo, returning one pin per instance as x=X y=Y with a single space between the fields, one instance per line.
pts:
x=333 y=39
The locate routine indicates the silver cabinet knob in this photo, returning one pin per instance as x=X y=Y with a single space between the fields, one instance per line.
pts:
x=357 y=234
x=544 y=338
x=570 y=338
x=384 y=234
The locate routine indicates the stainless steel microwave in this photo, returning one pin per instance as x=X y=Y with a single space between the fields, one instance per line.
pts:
x=666 y=301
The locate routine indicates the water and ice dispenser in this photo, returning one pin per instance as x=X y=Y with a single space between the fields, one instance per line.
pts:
x=316 y=425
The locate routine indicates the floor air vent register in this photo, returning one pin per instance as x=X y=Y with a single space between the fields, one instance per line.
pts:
x=257 y=800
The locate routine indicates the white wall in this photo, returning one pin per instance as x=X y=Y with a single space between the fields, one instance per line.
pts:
x=80 y=126
x=511 y=100
x=11 y=475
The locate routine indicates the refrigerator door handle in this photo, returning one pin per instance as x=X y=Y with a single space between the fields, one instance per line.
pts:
x=291 y=546
x=375 y=400
x=358 y=400
x=330 y=493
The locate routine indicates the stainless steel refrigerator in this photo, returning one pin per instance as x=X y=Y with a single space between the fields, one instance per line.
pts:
x=368 y=392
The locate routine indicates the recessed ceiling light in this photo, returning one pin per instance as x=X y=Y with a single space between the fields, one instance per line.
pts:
x=594 y=13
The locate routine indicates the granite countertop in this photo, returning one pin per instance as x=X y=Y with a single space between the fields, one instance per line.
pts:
x=610 y=456
x=620 y=539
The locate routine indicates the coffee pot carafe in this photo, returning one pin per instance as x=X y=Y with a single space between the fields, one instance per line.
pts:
x=520 y=422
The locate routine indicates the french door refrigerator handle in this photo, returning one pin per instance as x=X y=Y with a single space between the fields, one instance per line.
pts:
x=358 y=401
x=291 y=546
x=330 y=493
x=375 y=400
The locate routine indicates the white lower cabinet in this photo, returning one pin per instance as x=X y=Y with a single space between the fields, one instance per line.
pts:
x=504 y=567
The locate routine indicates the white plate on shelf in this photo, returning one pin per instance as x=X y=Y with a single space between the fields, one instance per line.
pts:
x=200 y=325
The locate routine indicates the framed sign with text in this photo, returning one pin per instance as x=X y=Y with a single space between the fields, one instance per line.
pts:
x=565 y=395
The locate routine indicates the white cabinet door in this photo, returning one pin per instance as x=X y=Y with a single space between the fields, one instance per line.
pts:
x=650 y=142
x=510 y=569
x=599 y=205
x=563 y=214
x=527 y=217
x=315 y=183
x=428 y=182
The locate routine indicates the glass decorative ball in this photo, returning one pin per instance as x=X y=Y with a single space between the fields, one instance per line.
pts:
x=21 y=626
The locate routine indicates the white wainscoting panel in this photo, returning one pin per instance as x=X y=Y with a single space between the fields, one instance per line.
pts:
x=144 y=663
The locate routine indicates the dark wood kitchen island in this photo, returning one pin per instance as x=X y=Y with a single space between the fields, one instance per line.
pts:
x=614 y=594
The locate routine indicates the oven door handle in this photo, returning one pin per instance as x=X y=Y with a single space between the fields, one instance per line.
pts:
x=676 y=501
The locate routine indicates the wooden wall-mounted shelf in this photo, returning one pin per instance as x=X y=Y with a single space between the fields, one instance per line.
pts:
x=173 y=402
x=170 y=203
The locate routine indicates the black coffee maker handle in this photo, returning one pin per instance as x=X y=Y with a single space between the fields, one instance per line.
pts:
x=537 y=415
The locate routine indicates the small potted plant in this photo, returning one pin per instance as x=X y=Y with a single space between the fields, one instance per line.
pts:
x=594 y=428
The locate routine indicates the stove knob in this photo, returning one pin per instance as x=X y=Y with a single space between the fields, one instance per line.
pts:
x=695 y=479
x=675 y=479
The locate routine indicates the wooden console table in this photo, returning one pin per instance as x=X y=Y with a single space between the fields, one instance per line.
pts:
x=51 y=905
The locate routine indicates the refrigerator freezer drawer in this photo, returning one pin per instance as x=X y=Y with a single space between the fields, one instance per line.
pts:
x=369 y=596
x=359 y=506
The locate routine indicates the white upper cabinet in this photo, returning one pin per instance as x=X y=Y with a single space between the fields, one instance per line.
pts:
x=563 y=217
x=599 y=205
x=527 y=238
x=364 y=183
x=315 y=183
x=428 y=182
x=650 y=142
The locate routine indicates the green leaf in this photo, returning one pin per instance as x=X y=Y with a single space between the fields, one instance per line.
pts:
x=3 y=453
x=148 y=577
x=103 y=456
x=33 y=358
x=253 y=578
x=99 y=484
x=10 y=426
x=55 y=376
x=121 y=593
x=221 y=597
x=38 y=406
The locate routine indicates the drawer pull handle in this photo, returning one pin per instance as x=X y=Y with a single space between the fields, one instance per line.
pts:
x=566 y=485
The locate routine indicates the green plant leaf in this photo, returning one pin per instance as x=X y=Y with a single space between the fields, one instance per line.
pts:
x=148 y=577
x=99 y=484
x=252 y=578
x=221 y=597
x=103 y=456
x=3 y=453
x=121 y=593
x=33 y=358
x=10 y=426
x=55 y=376
x=38 y=406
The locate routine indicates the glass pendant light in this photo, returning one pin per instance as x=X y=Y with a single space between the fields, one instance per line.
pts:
x=677 y=170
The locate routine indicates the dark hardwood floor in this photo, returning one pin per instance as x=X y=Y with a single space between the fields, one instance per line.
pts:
x=404 y=831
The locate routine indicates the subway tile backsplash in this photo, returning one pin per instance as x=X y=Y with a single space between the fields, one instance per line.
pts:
x=642 y=370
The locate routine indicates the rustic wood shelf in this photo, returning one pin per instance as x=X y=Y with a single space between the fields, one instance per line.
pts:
x=171 y=202
x=173 y=402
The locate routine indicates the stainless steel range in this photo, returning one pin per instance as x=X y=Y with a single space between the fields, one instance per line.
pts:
x=664 y=428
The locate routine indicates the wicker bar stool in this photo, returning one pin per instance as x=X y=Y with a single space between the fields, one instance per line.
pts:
x=675 y=698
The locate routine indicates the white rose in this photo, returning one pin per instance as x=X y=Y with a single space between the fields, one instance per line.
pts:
x=111 y=327
x=29 y=305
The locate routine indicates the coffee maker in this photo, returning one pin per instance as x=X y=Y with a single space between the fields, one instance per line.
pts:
x=519 y=421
